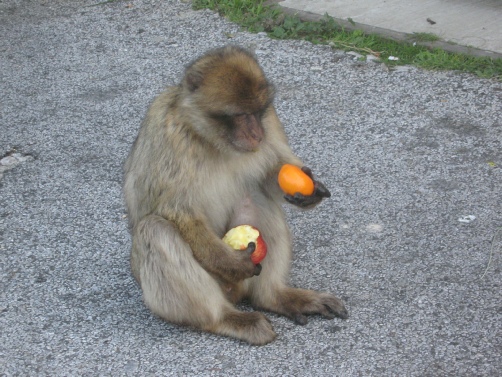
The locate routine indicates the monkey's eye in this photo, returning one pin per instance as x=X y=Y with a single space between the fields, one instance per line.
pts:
x=223 y=119
x=240 y=114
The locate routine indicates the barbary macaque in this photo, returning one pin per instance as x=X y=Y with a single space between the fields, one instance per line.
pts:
x=205 y=160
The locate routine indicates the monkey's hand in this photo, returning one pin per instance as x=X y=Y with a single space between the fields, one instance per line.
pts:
x=239 y=266
x=213 y=254
x=303 y=201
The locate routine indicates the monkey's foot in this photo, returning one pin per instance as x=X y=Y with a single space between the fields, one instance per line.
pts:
x=253 y=327
x=296 y=303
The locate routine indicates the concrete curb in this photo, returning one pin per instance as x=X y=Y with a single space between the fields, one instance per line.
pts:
x=391 y=34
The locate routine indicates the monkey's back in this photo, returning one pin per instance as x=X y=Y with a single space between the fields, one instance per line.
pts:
x=152 y=165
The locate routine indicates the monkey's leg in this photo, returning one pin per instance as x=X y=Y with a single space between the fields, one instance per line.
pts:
x=295 y=303
x=177 y=289
x=269 y=291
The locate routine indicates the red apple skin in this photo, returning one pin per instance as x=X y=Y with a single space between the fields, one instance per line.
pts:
x=260 y=252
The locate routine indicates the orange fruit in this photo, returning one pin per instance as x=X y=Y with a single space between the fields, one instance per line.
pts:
x=292 y=180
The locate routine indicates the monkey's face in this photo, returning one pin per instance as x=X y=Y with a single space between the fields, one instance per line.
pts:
x=231 y=91
x=243 y=131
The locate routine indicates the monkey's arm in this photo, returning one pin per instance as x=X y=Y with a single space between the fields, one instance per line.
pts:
x=213 y=254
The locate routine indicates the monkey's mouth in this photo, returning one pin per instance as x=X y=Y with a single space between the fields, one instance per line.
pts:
x=246 y=147
x=249 y=143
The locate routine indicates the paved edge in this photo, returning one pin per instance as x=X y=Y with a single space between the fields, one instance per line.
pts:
x=391 y=34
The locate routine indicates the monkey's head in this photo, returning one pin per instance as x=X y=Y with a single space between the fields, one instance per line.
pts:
x=227 y=96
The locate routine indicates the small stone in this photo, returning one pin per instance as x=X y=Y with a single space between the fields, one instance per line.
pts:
x=467 y=219
x=401 y=68
x=356 y=55
x=372 y=58
x=9 y=161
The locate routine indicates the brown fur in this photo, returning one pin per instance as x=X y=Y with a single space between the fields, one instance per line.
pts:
x=196 y=169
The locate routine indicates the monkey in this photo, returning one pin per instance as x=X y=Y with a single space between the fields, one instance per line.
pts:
x=206 y=159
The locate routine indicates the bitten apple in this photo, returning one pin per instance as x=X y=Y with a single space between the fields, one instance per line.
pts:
x=239 y=238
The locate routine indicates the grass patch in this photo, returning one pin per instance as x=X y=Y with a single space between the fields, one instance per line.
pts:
x=425 y=37
x=256 y=16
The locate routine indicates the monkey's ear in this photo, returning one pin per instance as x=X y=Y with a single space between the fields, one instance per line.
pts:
x=193 y=79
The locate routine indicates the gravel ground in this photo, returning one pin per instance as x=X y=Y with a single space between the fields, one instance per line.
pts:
x=407 y=154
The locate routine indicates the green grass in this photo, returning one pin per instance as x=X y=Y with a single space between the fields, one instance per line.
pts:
x=425 y=37
x=255 y=16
